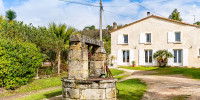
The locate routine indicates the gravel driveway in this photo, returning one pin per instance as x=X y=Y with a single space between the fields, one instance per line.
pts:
x=166 y=87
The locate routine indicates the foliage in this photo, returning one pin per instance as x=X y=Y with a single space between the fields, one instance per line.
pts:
x=198 y=23
x=36 y=85
x=162 y=56
x=18 y=62
x=190 y=72
x=139 y=68
x=133 y=62
x=43 y=95
x=175 y=15
x=89 y=28
x=10 y=15
x=132 y=89
x=112 y=58
x=116 y=72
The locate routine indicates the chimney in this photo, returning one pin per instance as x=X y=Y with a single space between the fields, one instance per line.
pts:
x=148 y=14
x=114 y=26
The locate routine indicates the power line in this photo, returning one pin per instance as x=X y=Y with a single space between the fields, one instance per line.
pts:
x=146 y=8
x=155 y=2
x=79 y=3
x=105 y=17
x=117 y=14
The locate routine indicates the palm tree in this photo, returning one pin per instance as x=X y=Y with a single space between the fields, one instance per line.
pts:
x=62 y=33
x=10 y=15
x=162 y=56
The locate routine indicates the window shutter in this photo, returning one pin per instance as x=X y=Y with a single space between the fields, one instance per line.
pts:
x=171 y=37
x=141 y=57
x=154 y=60
x=131 y=56
x=119 y=57
x=185 y=57
x=120 y=39
x=142 y=38
x=170 y=60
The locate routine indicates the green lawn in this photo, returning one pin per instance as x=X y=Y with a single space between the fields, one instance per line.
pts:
x=190 y=72
x=139 y=68
x=43 y=95
x=121 y=77
x=36 y=85
x=116 y=72
x=132 y=89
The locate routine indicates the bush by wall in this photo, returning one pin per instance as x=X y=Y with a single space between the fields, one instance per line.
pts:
x=18 y=62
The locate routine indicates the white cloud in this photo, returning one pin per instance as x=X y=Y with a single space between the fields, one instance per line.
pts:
x=42 y=12
x=2 y=10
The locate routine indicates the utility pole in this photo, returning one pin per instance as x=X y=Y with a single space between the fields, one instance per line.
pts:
x=194 y=18
x=100 y=26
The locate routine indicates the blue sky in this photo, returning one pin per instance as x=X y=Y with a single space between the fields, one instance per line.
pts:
x=42 y=12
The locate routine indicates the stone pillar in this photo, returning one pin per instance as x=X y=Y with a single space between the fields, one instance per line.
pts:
x=97 y=62
x=78 y=61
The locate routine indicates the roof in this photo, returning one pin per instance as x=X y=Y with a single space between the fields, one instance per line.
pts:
x=155 y=17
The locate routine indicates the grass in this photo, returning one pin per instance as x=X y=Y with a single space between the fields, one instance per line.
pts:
x=132 y=89
x=43 y=95
x=139 y=68
x=190 y=72
x=116 y=72
x=36 y=85
x=121 y=77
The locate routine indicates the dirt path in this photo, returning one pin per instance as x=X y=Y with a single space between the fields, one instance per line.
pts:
x=27 y=94
x=168 y=87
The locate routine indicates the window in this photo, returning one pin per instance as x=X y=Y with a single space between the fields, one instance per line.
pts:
x=125 y=38
x=126 y=56
x=148 y=56
x=177 y=57
x=148 y=38
x=177 y=37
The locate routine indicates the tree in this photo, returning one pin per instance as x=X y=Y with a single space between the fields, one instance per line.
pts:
x=62 y=33
x=89 y=28
x=175 y=15
x=18 y=62
x=109 y=27
x=10 y=15
x=162 y=56
x=198 y=23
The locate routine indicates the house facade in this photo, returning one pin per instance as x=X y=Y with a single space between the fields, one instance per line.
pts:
x=138 y=41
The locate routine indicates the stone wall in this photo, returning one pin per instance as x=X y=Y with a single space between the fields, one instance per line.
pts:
x=89 y=90
x=78 y=61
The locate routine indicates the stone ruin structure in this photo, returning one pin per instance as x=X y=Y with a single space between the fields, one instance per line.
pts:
x=87 y=78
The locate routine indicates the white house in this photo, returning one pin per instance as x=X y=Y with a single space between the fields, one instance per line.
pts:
x=138 y=41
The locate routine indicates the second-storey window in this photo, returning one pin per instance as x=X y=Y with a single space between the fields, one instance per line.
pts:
x=148 y=38
x=177 y=37
x=125 y=38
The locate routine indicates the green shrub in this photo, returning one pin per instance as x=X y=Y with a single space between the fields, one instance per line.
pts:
x=18 y=62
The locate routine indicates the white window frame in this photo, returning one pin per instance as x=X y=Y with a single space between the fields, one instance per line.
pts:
x=146 y=37
x=175 y=36
x=178 y=64
x=148 y=57
x=123 y=39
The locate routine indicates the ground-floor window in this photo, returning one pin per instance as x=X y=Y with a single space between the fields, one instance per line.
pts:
x=178 y=57
x=126 y=56
x=148 y=56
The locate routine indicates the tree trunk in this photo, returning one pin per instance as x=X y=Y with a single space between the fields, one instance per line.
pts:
x=59 y=63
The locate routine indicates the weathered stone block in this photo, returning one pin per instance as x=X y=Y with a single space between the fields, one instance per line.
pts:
x=77 y=65
x=93 y=94
x=73 y=93
x=99 y=57
x=95 y=85
x=107 y=85
x=110 y=93
x=78 y=74
x=75 y=55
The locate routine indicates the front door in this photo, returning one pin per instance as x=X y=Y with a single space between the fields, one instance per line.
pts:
x=126 y=57
x=148 y=57
x=178 y=58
